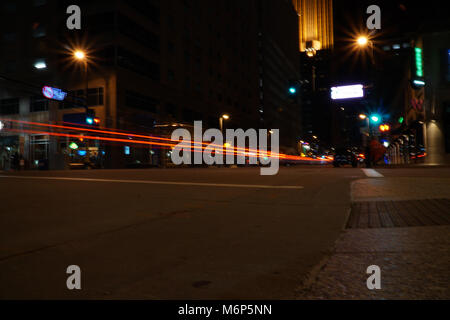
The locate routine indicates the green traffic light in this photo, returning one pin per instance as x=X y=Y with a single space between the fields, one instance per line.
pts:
x=375 y=118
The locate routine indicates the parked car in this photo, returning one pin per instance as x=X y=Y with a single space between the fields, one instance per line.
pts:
x=345 y=156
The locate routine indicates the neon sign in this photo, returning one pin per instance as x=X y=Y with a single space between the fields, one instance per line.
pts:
x=53 y=93
x=419 y=66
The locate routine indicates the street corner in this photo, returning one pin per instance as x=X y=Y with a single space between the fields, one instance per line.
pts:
x=412 y=263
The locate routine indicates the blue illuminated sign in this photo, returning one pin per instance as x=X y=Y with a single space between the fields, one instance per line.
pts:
x=53 y=93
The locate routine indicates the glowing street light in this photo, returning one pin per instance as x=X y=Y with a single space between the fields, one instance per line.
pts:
x=79 y=55
x=223 y=117
x=362 y=116
x=362 y=40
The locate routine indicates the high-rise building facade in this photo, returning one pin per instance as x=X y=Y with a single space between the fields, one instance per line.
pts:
x=316 y=41
x=315 y=24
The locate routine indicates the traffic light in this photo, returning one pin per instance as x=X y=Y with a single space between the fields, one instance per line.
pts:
x=82 y=119
x=90 y=120
x=293 y=87
x=375 y=118
x=385 y=127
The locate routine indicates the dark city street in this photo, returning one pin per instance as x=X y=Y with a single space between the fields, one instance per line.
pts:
x=137 y=236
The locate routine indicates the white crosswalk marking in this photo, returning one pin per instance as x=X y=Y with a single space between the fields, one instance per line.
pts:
x=371 y=173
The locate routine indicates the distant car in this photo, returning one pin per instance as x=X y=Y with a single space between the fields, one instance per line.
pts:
x=345 y=156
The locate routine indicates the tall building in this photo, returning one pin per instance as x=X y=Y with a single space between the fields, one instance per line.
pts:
x=151 y=64
x=316 y=41
x=315 y=24
x=278 y=66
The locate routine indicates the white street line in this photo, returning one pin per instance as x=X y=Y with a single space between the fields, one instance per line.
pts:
x=371 y=173
x=200 y=184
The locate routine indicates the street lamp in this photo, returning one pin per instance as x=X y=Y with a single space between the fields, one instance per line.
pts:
x=375 y=118
x=223 y=117
x=363 y=41
x=80 y=56
x=362 y=116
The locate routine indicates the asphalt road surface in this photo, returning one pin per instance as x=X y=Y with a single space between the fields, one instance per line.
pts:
x=211 y=233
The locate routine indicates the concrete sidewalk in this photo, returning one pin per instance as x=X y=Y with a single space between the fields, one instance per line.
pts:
x=414 y=260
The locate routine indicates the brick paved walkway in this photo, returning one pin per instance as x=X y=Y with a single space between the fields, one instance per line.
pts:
x=403 y=226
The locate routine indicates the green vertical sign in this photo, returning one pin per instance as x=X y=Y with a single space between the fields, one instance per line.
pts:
x=419 y=67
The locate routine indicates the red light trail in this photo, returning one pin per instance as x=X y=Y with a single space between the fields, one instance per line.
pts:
x=206 y=146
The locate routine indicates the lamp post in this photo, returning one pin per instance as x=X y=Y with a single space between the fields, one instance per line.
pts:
x=363 y=41
x=375 y=118
x=223 y=117
x=368 y=153
x=80 y=56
